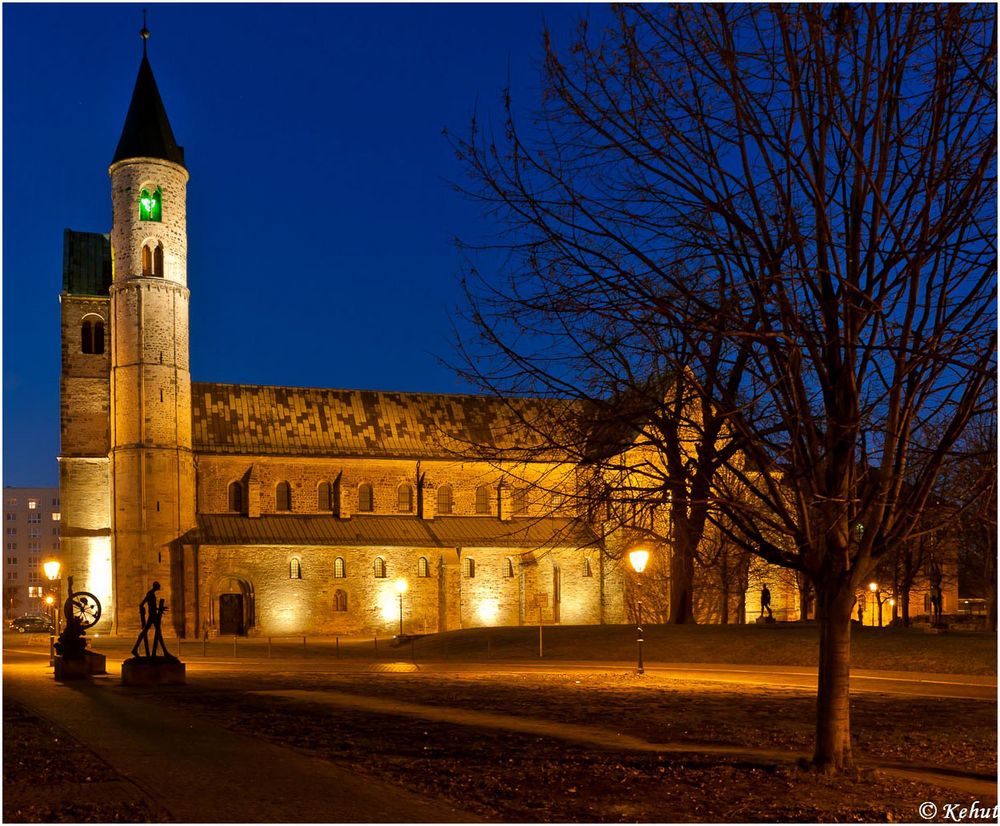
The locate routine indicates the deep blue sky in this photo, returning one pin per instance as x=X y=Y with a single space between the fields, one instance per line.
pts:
x=320 y=207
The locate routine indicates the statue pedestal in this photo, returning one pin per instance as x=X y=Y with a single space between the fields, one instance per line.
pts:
x=71 y=669
x=96 y=663
x=144 y=671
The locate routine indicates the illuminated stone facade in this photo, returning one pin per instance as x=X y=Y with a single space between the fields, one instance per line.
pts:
x=276 y=510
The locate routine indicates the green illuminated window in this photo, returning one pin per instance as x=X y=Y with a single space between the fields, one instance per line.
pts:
x=151 y=206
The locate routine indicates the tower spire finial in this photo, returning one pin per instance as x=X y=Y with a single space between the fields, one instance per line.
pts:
x=144 y=32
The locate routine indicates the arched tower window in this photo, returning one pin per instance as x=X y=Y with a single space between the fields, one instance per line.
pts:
x=587 y=570
x=323 y=502
x=92 y=336
x=404 y=498
x=339 y=568
x=508 y=568
x=444 y=499
x=470 y=567
x=283 y=497
x=340 y=600
x=379 y=568
x=483 y=499
x=423 y=569
x=147 y=261
x=236 y=497
x=158 y=260
x=366 y=499
x=151 y=205
x=294 y=568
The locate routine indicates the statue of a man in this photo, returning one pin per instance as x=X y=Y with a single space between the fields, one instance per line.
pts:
x=765 y=602
x=150 y=615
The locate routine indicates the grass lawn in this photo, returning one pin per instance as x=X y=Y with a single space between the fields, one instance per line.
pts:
x=890 y=649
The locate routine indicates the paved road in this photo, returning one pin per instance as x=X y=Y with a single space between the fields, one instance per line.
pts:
x=200 y=772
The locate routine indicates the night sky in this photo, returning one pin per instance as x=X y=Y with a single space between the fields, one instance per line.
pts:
x=321 y=209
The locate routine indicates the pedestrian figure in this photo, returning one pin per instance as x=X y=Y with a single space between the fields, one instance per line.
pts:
x=765 y=602
x=149 y=615
x=936 y=595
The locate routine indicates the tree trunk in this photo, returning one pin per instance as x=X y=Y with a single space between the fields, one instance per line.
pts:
x=904 y=600
x=681 y=580
x=833 y=718
x=805 y=595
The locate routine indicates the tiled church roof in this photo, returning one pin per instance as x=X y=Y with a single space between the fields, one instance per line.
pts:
x=391 y=531
x=299 y=421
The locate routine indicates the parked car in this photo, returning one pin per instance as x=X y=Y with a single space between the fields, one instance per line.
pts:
x=32 y=624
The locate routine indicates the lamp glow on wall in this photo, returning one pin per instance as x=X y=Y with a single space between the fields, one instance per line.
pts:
x=638 y=559
x=489 y=610
x=402 y=586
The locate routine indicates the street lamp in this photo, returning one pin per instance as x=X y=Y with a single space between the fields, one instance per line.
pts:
x=52 y=568
x=638 y=558
x=873 y=587
x=401 y=587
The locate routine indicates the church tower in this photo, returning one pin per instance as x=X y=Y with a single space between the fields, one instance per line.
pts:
x=151 y=463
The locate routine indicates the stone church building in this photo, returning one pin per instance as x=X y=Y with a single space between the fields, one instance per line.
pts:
x=283 y=510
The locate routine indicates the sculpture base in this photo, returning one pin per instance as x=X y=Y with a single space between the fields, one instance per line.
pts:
x=71 y=669
x=764 y=620
x=96 y=663
x=146 y=671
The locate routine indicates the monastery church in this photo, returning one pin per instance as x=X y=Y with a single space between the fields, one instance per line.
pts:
x=283 y=510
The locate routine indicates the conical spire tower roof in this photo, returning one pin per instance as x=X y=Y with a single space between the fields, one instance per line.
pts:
x=147 y=132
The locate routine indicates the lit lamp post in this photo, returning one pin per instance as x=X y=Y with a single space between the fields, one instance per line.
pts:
x=639 y=558
x=877 y=595
x=52 y=568
x=401 y=587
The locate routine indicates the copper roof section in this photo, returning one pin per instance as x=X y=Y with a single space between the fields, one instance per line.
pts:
x=325 y=530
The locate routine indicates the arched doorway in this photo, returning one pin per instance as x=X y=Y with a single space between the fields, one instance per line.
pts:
x=233 y=606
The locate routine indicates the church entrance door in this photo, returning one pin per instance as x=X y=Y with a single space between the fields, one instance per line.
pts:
x=231 y=614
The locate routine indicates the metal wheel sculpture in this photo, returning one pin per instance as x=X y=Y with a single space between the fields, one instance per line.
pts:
x=84 y=608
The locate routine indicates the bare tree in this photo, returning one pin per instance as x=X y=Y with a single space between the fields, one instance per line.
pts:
x=787 y=214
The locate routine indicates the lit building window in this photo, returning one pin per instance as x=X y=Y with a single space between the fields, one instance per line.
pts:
x=56 y=517
x=379 y=568
x=483 y=499
x=423 y=569
x=12 y=502
x=404 y=499
x=32 y=504
x=508 y=567
x=283 y=497
x=34 y=591
x=366 y=498
x=340 y=600
x=151 y=205
x=294 y=569
x=444 y=499
x=470 y=567
x=339 y=569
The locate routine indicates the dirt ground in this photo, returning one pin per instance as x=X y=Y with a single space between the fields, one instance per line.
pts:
x=511 y=776
x=50 y=778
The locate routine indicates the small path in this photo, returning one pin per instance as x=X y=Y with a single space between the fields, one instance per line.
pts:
x=200 y=772
x=970 y=783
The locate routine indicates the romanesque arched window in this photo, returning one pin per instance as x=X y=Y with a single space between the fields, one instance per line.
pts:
x=147 y=260
x=508 y=567
x=151 y=205
x=404 y=498
x=587 y=571
x=158 y=260
x=339 y=568
x=295 y=568
x=444 y=499
x=340 y=600
x=283 y=497
x=323 y=501
x=519 y=502
x=423 y=569
x=236 y=497
x=92 y=335
x=366 y=498
x=470 y=567
x=379 y=568
x=483 y=499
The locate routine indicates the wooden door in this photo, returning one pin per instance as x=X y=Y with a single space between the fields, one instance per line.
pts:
x=231 y=614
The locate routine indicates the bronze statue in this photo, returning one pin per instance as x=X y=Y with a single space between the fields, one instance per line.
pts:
x=936 y=596
x=765 y=602
x=151 y=616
